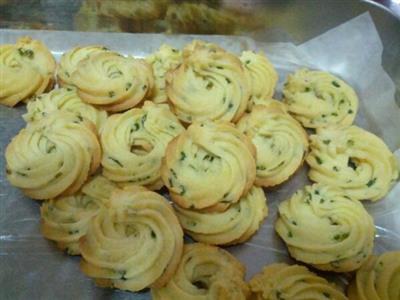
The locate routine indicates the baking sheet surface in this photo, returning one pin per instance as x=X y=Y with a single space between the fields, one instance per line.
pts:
x=32 y=268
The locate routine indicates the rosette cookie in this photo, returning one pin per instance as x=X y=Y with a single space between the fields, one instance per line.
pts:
x=134 y=143
x=318 y=99
x=293 y=282
x=54 y=156
x=262 y=76
x=70 y=60
x=65 y=220
x=321 y=226
x=26 y=69
x=210 y=165
x=353 y=159
x=134 y=15
x=205 y=272
x=134 y=243
x=198 y=44
x=233 y=226
x=377 y=279
x=64 y=99
x=200 y=18
x=280 y=140
x=210 y=84
x=113 y=82
x=162 y=61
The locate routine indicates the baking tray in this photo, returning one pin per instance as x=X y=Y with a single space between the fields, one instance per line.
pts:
x=33 y=268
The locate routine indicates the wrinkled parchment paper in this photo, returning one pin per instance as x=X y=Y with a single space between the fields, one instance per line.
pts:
x=32 y=268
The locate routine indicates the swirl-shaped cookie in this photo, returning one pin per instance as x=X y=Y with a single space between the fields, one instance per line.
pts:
x=209 y=84
x=209 y=165
x=233 y=226
x=205 y=272
x=355 y=160
x=135 y=243
x=64 y=99
x=65 y=220
x=70 y=60
x=162 y=61
x=262 y=76
x=377 y=279
x=280 y=141
x=317 y=99
x=54 y=156
x=133 y=11
x=134 y=144
x=200 y=18
x=293 y=282
x=26 y=69
x=113 y=82
x=321 y=226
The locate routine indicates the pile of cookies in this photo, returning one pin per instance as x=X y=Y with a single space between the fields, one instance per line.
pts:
x=202 y=123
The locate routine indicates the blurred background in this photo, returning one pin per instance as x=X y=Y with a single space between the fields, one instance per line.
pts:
x=301 y=18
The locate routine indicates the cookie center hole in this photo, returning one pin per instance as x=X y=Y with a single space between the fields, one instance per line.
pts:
x=352 y=163
x=130 y=230
x=114 y=72
x=200 y=285
x=141 y=147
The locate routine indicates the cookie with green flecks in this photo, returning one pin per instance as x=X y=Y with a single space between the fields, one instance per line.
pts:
x=65 y=99
x=377 y=279
x=280 y=141
x=163 y=61
x=65 y=219
x=262 y=76
x=70 y=60
x=318 y=99
x=26 y=70
x=233 y=226
x=353 y=159
x=209 y=166
x=281 y=281
x=133 y=243
x=113 y=82
x=323 y=227
x=134 y=143
x=53 y=156
x=210 y=84
x=205 y=272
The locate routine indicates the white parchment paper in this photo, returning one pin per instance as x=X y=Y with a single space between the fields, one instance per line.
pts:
x=32 y=268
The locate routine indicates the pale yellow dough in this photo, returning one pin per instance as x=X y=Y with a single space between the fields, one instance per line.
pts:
x=135 y=142
x=377 y=279
x=280 y=281
x=322 y=227
x=262 y=76
x=134 y=243
x=353 y=159
x=233 y=226
x=205 y=273
x=113 y=82
x=280 y=141
x=133 y=10
x=65 y=220
x=71 y=59
x=162 y=61
x=318 y=99
x=195 y=17
x=210 y=165
x=54 y=156
x=64 y=99
x=26 y=70
x=209 y=84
